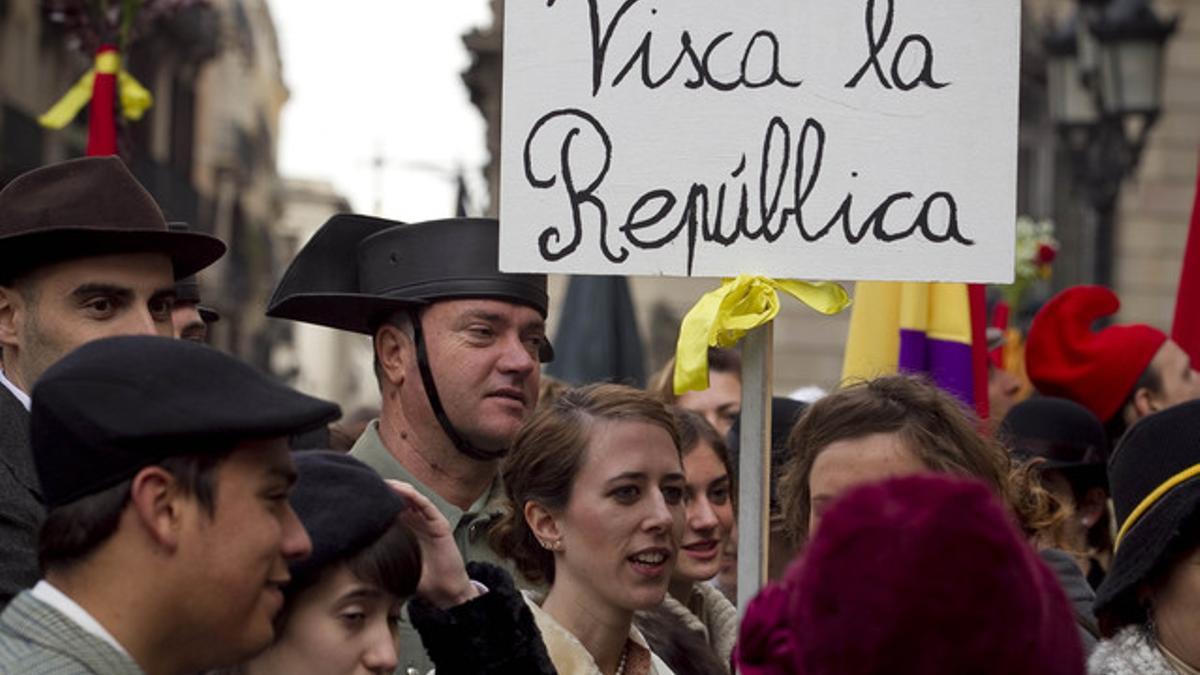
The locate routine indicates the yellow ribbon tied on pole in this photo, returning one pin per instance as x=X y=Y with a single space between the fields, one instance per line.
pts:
x=135 y=98
x=725 y=315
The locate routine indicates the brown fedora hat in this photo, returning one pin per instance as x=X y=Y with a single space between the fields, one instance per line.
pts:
x=87 y=207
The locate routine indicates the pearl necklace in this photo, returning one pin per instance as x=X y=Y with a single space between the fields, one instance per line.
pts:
x=624 y=656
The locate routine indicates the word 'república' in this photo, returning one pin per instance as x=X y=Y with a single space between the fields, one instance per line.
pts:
x=788 y=174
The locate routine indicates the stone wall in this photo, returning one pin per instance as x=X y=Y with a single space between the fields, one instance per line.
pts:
x=1156 y=203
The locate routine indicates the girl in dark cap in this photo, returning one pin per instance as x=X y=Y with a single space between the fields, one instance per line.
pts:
x=595 y=486
x=920 y=575
x=1149 y=604
x=375 y=546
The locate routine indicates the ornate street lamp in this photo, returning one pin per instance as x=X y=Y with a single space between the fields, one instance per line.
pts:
x=1104 y=74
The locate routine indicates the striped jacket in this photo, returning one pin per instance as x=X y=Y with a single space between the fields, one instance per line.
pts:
x=36 y=639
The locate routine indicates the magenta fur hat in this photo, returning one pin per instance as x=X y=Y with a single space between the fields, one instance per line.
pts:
x=922 y=575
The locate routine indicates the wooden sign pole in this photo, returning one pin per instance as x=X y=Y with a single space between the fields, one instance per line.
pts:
x=754 y=464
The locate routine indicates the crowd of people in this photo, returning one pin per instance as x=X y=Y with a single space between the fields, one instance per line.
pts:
x=166 y=509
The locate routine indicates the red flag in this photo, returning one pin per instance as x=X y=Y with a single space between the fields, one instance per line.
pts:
x=1186 y=329
x=979 y=351
x=102 y=116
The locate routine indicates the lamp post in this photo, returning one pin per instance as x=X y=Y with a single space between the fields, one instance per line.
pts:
x=1104 y=75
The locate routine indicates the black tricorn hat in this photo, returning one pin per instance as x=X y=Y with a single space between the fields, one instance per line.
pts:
x=357 y=270
x=87 y=207
x=116 y=405
x=1154 y=475
x=1063 y=433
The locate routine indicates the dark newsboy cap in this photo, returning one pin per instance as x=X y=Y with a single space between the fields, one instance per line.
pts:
x=87 y=207
x=116 y=405
x=342 y=503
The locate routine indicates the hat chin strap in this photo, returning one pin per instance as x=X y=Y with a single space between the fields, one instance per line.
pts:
x=435 y=402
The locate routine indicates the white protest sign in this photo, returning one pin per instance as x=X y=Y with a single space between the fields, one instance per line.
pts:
x=841 y=139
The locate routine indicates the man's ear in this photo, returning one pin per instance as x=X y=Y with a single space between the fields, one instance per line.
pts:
x=542 y=523
x=159 y=502
x=1144 y=402
x=12 y=310
x=393 y=348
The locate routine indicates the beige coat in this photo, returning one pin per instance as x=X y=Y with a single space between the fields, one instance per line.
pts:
x=709 y=613
x=570 y=656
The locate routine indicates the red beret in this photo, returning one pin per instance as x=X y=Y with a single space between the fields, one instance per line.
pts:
x=922 y=575
x=1098 y=369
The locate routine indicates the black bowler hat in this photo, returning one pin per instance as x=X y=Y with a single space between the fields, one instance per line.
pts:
x=344 y=505
x=116 y=405
x=1154 y=476
x=357 y=270
x=785 y=412
x=187 y=289
x=87 y=207
x=1063 y=433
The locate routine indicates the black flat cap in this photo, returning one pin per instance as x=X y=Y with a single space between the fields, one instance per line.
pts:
x=1062 y=432
x=357 y=270
x=118 y=404
x=88 y=207
x=344 y=505
x=1154 y=475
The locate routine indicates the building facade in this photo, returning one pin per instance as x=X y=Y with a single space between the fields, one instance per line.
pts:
x=331 y=364
x=206 y=149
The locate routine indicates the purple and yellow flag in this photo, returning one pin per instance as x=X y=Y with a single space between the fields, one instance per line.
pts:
x=925 y=328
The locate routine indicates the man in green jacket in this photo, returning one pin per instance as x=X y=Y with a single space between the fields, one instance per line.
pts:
x=457 y=351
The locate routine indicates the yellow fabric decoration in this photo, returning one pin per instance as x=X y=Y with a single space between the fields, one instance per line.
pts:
x=135 y=98
x=61 y=113
x=725 y=315
x=108 y=63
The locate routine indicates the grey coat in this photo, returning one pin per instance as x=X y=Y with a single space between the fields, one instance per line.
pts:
x=1075 y=585
x=36 y=639
x=21 y=510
